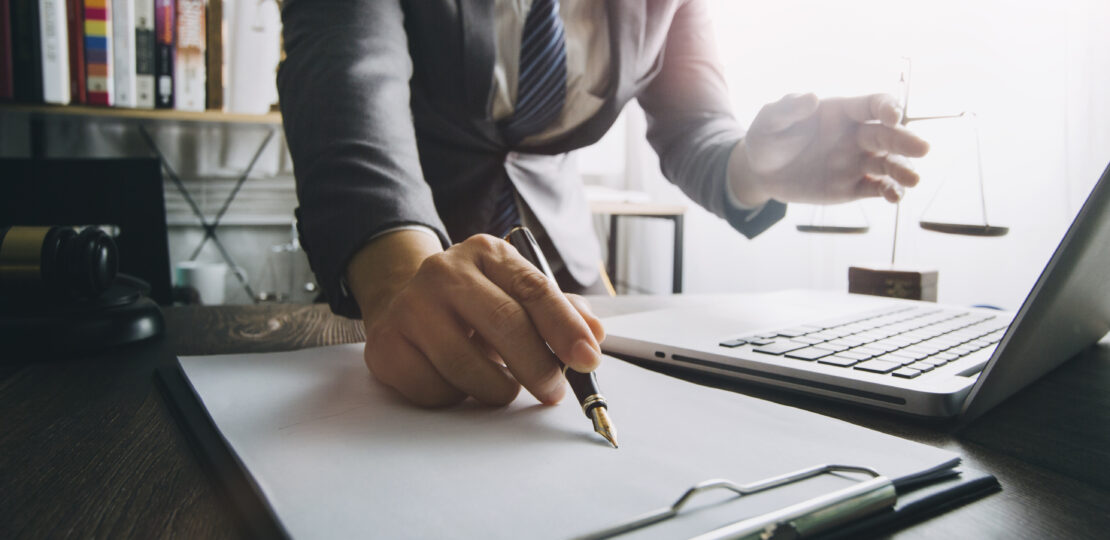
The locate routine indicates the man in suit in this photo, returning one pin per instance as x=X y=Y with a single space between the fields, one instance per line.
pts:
x=419 y=128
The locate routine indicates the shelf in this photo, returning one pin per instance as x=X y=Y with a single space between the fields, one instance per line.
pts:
x=160 y=115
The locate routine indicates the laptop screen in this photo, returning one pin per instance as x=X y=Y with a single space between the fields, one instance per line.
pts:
x=1067 y=310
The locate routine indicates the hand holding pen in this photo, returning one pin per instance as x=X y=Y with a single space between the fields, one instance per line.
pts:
x=584 y=385
x=473 y=320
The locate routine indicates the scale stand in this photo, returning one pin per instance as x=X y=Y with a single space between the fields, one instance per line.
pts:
x=892 y=281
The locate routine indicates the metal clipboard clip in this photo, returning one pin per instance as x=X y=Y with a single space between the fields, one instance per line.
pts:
x=801 y=520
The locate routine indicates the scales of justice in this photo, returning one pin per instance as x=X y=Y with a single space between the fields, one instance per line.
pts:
x=903 y=282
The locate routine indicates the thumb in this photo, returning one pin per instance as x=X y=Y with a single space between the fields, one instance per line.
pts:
x=784 y=113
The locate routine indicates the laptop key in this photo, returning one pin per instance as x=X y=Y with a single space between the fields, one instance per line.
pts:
x=808 y=353
x=848 y=341
x=910 y=355
x=831 y=347
x=855 y=354
x=808 y=339
x=922 y=366
x=780 y=347
x=733 y=343
x=758 y=341
x=878 y=366
x=906 y=373
x=838 y=360
x=795 y=332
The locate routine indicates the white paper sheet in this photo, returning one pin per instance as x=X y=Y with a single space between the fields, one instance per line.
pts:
x=338 y=455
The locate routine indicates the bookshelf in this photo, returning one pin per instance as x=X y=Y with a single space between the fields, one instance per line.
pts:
x=141 y=119
x=159 y=115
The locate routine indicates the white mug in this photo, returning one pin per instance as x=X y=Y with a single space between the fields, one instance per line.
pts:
x=209 y=280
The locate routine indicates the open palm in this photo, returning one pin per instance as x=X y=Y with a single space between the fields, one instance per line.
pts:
x=801 y=149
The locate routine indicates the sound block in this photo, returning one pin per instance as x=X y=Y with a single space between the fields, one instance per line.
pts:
x=893 y=282
x=121 y=315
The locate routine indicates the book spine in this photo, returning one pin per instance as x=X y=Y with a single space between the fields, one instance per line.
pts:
x=144 y=54
x=189 y=77
x=123 y=52
x=214 y=51
x=7 y=89
x=26 y=51
x=75 y=24
x=100 y=86
x=164 y=51
x=55 y=51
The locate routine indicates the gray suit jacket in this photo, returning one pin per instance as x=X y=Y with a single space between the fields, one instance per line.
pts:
x=386 y=105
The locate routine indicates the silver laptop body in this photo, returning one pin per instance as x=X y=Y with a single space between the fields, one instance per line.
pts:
x=918 y=358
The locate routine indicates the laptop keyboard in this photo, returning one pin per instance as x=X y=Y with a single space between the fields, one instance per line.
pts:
x=902 y=341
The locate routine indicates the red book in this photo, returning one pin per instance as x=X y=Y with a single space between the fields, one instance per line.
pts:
x=75 y=21
x=7 y=88
x=100 y=83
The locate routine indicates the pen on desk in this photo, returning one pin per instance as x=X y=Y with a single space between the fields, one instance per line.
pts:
x=584 y=385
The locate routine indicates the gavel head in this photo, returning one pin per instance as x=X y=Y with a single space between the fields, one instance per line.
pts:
x=56 y=263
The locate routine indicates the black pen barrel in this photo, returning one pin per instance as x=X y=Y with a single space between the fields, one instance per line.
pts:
x=584 y=385
x=585 y=390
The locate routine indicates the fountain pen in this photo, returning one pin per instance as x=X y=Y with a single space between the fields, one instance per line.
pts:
x=584 y=385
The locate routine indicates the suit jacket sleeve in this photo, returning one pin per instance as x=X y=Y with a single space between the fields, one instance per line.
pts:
x=690 y=123
x=344 y=88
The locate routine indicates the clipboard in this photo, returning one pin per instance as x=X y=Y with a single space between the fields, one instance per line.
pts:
x=864 y=508
x=917 y=496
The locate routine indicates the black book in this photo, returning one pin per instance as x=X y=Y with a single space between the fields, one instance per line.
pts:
x=26 y=51
x=165 y=52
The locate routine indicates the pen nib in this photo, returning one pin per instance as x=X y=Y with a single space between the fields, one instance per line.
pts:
x=603 y=425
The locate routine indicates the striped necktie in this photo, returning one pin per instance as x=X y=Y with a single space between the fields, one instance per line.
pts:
x=541 y=91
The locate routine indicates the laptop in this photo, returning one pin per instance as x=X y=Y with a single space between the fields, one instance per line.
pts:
x=918 y=358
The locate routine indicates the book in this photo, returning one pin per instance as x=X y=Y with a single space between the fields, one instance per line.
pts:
x=75 y=25
x=144 y=54
x=26 y=51
x=54 y=51
x=214 y=53
x=6 y=83
x=100 y=83
x=165 y=28
x=189 y=66
x=123 y=52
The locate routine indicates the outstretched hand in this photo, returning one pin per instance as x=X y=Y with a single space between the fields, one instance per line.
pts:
x=802 y=149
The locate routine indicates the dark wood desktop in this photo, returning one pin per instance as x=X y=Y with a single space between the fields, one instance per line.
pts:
x=89 y=448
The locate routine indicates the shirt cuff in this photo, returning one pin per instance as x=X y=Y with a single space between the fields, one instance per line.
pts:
x=412 y=227
x=750 y=212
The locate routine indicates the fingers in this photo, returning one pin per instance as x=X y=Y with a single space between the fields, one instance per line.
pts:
x=863 y=109
x=549 y=310
x=478 y=320
x=583 y=307
x=396 y=362
x=879 y=186
x=463 y=362
x=519 y=312
x=785 y=113
x=894 y=166
x=880 y=139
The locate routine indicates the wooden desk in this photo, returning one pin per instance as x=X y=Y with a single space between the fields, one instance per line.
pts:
x=89 y=448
